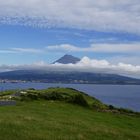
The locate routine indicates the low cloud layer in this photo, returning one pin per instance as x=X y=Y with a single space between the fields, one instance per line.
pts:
x=101 y=48
x=126 y=48
x=101 y=15
x=21 y=50
x=85 y=65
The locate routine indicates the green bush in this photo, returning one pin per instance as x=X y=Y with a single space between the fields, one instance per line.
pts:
x=124 y=110
x=111 y=107
x=29 y=96
x=78 y=99
x=53 y=96
x=31 y=89
x=99 y=106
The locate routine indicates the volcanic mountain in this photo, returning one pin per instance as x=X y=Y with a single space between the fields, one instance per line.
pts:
x=65 y=76
x=66 y=59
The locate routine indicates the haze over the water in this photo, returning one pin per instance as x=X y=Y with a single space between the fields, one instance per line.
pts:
x=104 y=34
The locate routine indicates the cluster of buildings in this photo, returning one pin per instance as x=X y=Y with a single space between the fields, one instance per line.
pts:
x=11 y=81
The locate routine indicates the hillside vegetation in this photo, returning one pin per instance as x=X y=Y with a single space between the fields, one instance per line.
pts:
x=64 y=114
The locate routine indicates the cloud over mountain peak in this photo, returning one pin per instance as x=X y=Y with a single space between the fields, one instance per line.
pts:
x=84 y=65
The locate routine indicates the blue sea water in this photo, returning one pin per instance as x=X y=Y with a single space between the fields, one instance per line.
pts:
x=126 y=96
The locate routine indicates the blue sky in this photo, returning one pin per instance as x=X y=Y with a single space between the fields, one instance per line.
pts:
x=27 y=37
x=105 y=31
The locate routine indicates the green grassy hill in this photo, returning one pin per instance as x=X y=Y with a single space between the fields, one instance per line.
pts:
x=64 y=114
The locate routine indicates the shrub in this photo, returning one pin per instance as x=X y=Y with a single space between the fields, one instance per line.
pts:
x=31 y=89
x=111 y=107
x=97 y=105
x=53 y=96
x=33 y=96
x=29 y=96
x=124 y=110
x=78 y=99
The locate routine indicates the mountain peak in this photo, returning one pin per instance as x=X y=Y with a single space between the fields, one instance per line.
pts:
x=68 y=55
x=66 y=59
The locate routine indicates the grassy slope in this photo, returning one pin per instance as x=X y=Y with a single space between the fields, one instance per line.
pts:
x=41 y=120
x=58 y=120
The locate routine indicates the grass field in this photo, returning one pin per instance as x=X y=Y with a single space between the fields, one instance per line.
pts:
x=59 y=120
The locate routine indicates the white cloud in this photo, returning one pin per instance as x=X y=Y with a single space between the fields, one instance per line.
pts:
x=101 y=48
x=21 y=50
x=131 y=48
x=6 y=51
x=101 y=15
x=132 y=59
x=63 y=47
x=104 y=66
x=125 y=48
x=116 y=48
x=86 y=65
x=27 y=50
x=40 y=63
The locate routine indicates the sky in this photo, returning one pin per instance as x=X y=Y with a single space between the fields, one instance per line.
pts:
x=105 y=34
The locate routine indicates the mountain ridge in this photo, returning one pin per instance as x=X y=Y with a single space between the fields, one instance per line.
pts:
x=67 y=77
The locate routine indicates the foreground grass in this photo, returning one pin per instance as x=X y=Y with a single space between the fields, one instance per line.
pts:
x=64 y=114
x=57 y=120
